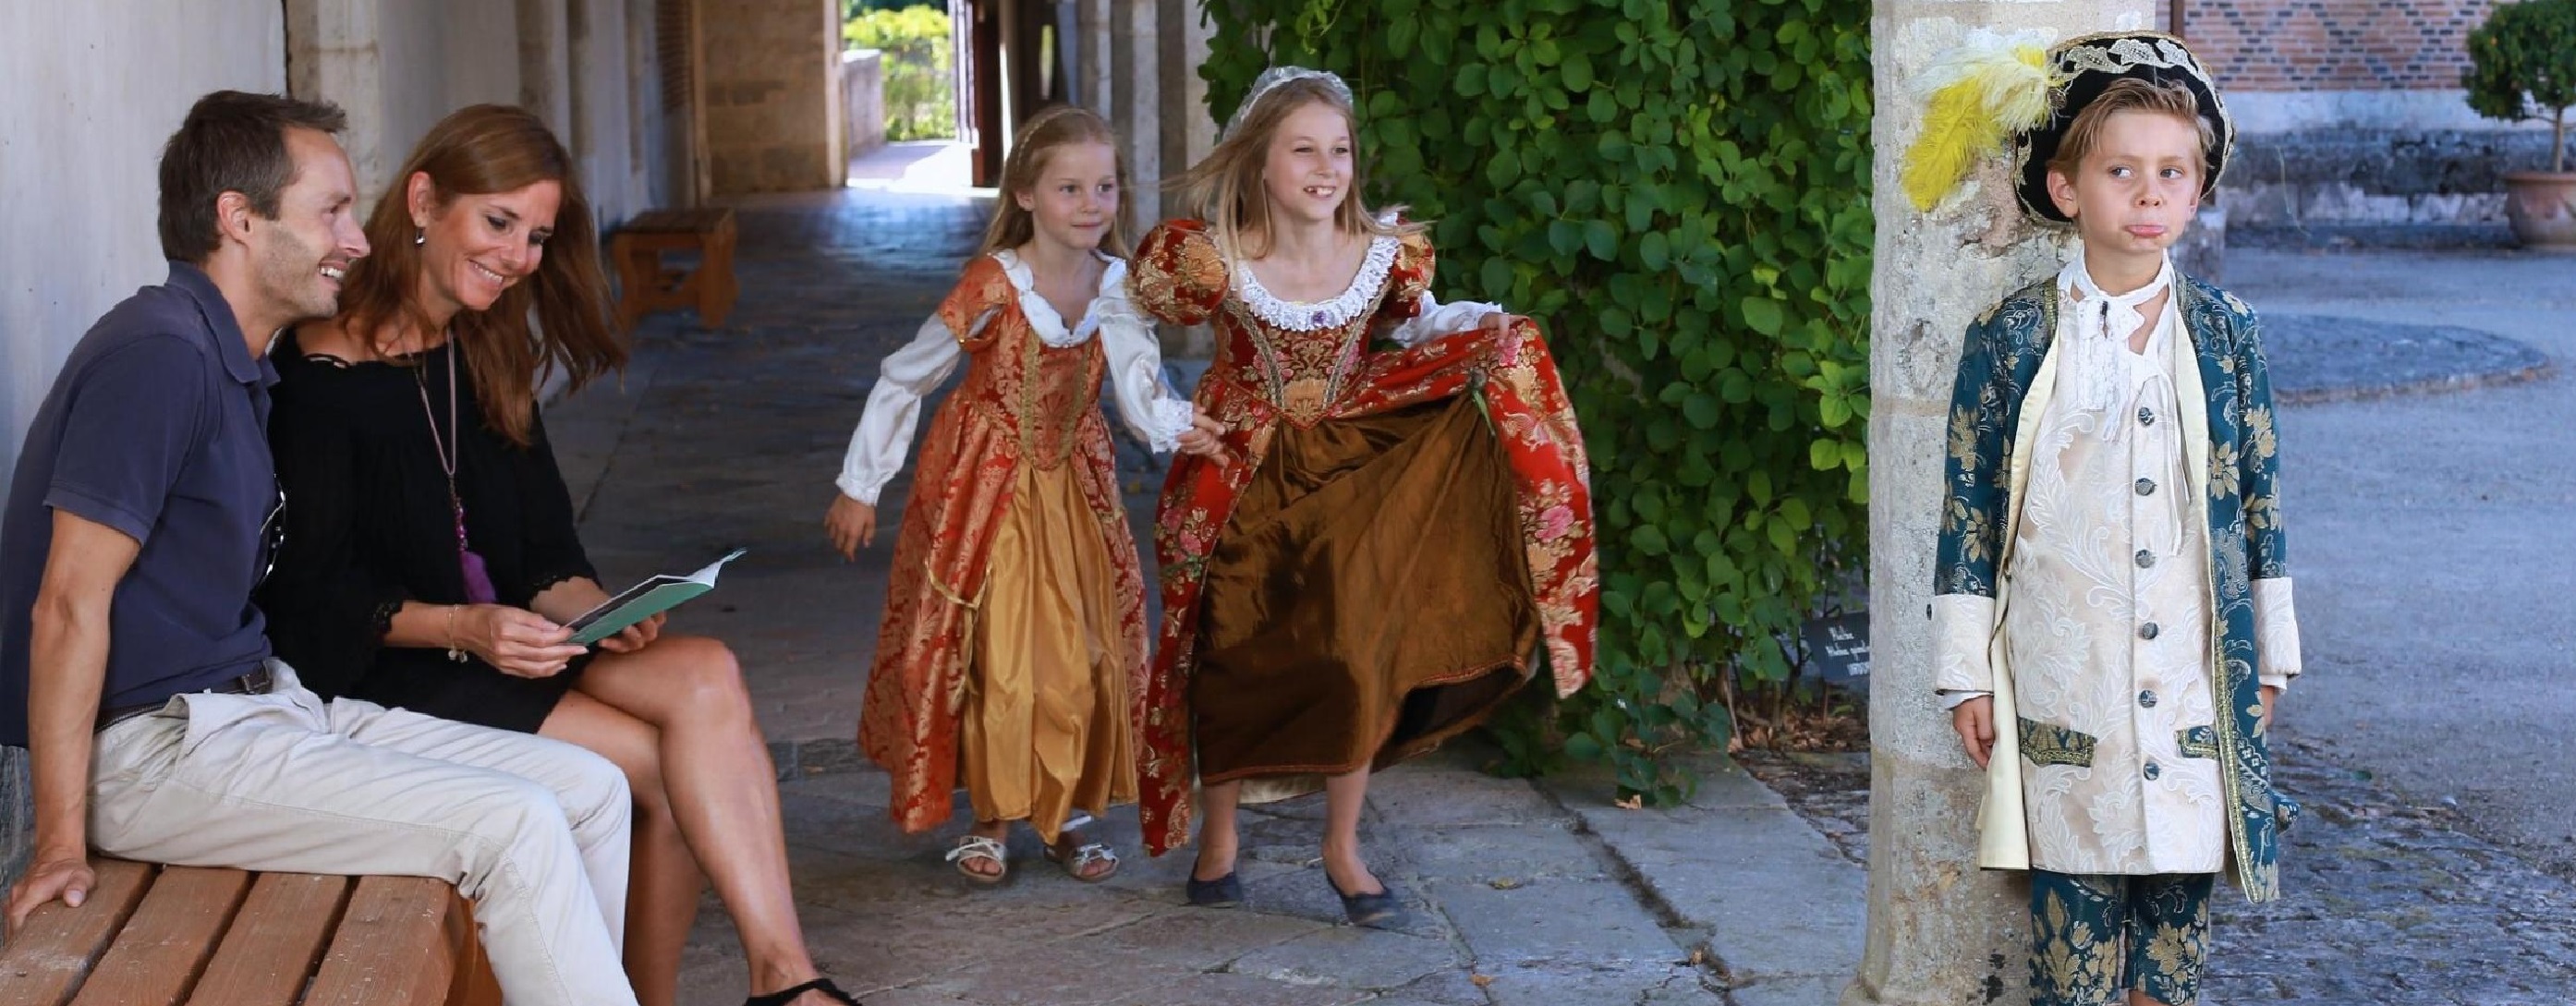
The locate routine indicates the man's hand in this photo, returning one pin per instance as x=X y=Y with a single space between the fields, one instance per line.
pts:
x=851 y=524
x=2271 y=694
x=1975 y=721
x=61 y=875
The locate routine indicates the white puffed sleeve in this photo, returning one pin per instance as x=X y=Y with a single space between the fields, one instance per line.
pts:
x=1438 y=319
x=884 y=436
x=1136 y=372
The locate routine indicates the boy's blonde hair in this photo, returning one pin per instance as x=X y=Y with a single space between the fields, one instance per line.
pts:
x=1225 y=189
x=1038 y=139
x=2132 y=95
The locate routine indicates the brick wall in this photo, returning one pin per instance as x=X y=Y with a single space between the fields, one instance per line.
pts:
x=2333 y=45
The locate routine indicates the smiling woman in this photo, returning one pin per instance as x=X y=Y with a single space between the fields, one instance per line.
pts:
x=430 y=556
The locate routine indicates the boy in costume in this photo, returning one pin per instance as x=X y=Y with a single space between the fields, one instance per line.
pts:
x=2113 y=618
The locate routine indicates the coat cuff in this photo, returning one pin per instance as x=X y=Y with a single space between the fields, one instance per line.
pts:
x=2276 y=632
x=1962 y=627
x=861 y=488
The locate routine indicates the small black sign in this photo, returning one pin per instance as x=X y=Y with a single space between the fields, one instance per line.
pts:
x=1838 y=646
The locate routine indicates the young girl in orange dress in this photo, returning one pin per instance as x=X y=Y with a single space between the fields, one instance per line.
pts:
x=1012 y=651
x=1388 y=534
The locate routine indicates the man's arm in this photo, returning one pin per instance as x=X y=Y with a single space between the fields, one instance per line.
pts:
x=67 y=668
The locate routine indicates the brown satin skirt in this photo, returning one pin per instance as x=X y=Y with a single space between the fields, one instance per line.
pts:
x=1367 y=600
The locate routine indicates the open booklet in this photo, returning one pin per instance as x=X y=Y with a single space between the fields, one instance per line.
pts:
x=645 y=600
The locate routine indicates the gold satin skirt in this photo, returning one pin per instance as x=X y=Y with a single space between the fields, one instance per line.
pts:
x=1044 y=728
x=1368 y=599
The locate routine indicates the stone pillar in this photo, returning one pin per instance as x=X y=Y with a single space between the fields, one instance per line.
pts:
x=1940 y=930
x=769 y=95
x=545 y=65
x=1135 y=106
x=1180 y=100
x=333 y=54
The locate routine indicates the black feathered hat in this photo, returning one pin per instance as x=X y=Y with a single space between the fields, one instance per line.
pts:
x=2080 y=69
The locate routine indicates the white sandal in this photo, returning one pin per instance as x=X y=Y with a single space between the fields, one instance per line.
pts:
x=973 y=846
x=1083 y=857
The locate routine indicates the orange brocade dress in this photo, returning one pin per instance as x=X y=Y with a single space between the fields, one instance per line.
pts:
x=1393 y=536
x=1012 y=655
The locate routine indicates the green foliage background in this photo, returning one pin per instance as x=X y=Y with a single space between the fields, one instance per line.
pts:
x=2522 y=65
x=1679 y=190
x=920 y=96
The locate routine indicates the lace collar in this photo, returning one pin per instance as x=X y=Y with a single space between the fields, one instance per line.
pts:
x=1356 y=300
x=1043 y=318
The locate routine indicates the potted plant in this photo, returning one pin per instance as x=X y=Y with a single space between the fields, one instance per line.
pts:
x=2522 y=65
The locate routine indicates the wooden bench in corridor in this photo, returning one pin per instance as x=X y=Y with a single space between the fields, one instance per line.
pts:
x=644 y=286
x=160 y=936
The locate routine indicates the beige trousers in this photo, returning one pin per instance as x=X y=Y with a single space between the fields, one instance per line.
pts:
x=533 y=831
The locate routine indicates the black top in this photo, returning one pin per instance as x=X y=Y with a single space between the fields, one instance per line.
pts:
x=152 y=428
x=368 y=527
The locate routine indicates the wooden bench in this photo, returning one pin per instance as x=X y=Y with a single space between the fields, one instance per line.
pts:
x=159 y=936
x=645 y=286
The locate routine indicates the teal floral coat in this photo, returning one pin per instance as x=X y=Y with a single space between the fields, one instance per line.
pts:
x=2006 y=372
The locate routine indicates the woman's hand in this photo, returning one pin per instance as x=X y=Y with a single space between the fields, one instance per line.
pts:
x=1204 y=438
x=1499 y=321
x=635 y=637
x=516 y=641
x=850 y=524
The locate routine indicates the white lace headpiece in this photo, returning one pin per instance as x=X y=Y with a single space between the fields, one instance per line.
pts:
x=1272 y=78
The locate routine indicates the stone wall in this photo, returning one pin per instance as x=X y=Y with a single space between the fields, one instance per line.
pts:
x=2353 y=120
x=863 y=118
x=2334 y=45
x=769 y=97
x=88 y=93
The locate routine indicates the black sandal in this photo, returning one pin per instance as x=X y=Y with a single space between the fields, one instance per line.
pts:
x=788 y=995
x=1380 y=910
x=1223 y=892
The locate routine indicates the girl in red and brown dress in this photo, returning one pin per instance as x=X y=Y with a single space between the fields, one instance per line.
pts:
x=1401 y=515
x=1012 y=651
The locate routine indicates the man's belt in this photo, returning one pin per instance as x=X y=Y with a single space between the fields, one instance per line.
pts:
x=256 y=682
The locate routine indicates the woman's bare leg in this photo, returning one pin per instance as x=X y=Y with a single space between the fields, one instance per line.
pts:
x=663 y=882
x=723 y=789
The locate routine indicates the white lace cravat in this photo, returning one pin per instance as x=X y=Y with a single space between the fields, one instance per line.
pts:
x=2103 y=322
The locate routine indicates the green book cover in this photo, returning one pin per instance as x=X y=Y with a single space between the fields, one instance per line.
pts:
x=644 y=600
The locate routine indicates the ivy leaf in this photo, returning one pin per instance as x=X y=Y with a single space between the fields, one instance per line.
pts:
x=1763 y=314
x=1576 y=72
x=1701 y=409
x=1601 y=239
x=1654 y=251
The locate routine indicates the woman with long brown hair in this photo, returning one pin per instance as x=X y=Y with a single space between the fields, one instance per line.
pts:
x=430 y=559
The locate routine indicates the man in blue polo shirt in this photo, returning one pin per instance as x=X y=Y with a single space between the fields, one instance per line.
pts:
x=132 y=663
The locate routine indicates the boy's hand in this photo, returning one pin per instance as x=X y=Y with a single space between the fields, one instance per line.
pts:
x=2271 y=694
x=850 y=524
x=1975 y=721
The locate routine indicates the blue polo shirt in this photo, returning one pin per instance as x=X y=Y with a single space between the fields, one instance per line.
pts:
x=157 y=427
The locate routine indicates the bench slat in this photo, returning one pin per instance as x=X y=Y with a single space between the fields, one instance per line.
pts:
x=167 y=940
x=398 y=945
x=276 y=939
x=46 y=963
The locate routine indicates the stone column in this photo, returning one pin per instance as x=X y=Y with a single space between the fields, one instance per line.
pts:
x=1180 y=100
x=545 y=65
x=1940 y=930
x=1135 y=106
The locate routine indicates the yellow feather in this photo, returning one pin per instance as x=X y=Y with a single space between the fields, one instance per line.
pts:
x=1986 y=96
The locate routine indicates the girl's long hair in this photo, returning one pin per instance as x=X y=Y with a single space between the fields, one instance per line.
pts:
x=1038 y=139
x=481 y=150
x=1225 y=189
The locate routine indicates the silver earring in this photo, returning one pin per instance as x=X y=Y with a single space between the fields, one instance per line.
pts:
x=419 y=237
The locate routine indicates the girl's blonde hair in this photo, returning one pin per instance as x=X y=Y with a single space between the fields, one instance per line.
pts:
x=1038 y=139
x=1226 y=189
